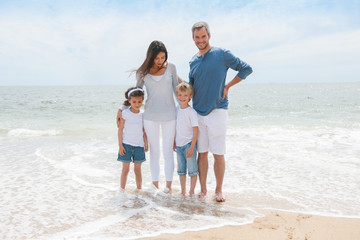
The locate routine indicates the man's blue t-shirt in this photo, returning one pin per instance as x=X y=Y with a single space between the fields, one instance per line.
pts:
x=208 y=74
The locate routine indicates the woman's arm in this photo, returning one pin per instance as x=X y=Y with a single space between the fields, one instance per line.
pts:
x=139 y=80
x=120 y=136
x=118 y=117
x=146 y=145
x=180 y=79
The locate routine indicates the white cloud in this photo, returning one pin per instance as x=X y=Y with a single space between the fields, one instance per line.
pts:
x=99 y=45
x=333 y=58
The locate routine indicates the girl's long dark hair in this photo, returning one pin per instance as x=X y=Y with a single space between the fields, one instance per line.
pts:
x=133 y=94
x=154 y=49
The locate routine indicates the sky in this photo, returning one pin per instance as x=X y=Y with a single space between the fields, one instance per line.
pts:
x=99 y=42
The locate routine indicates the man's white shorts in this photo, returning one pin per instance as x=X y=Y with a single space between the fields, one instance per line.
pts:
x=212 y=132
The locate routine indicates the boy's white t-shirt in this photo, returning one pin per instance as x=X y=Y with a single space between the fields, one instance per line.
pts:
x=133 y=128
x=186 y=119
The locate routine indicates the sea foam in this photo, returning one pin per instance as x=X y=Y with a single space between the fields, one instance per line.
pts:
x=289 y=147
x=26 y=133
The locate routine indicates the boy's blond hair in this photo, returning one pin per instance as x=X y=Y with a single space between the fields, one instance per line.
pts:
x=185 y=87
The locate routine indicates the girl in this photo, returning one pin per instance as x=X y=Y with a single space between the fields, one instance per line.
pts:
x=132 y=138
x=160 y=79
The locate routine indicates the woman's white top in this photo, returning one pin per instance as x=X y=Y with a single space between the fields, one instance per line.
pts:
x=157 y=78
x=160 y=103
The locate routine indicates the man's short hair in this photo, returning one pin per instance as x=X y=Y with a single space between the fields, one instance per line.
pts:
x=185 y=87
x=199 y=25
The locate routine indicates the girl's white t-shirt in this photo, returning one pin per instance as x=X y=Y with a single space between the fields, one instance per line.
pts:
x=186 y=119
x=133 y=128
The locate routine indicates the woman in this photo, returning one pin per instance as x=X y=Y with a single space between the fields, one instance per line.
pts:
x=160 y=79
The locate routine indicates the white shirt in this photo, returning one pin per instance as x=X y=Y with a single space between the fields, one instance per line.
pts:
x=133 y=128
x=156 y=78
x=159 y=104
x=186 y=119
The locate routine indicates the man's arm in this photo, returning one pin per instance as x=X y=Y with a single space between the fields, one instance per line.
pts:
x=236 y=64
x=233 y=82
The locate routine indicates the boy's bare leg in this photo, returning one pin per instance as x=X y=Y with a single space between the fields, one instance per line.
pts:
x=203 y=170
x=192 y=184
x=124 y=174
x=138 y=177
x=219 y=170
x=183 y=184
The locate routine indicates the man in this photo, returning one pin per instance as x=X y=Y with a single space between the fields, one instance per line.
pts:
x=208 y=69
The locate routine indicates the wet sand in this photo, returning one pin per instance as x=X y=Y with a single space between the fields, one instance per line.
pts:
x=280 y=225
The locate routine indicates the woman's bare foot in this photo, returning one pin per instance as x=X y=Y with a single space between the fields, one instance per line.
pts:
x=219 y=197
x=201 y=195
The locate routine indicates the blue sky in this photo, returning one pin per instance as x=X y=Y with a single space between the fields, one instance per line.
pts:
x=97 y=42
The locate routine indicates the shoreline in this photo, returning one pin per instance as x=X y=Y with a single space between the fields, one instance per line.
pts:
x=276 y=224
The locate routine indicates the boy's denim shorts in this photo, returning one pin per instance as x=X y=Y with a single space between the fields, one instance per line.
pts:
x=133 y=154
x=186 y=163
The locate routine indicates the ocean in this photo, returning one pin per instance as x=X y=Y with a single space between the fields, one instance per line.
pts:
x=292 y=147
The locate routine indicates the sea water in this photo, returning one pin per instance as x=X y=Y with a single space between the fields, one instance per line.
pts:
x=292 y=147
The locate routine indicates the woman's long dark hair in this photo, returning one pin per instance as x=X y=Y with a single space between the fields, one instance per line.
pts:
x=154 y=49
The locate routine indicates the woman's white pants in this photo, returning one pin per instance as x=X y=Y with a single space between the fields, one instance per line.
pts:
x=152 y=129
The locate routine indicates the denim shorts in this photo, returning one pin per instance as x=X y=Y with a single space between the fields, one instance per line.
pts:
x=186 y=163
x=133 y=154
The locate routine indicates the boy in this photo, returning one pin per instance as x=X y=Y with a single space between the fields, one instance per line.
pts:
x=186 y=136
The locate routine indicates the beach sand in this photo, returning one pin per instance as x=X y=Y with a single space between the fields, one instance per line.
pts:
x=277 y=225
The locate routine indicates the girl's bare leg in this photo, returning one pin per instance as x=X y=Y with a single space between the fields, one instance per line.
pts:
x=138 y=177
x=124 y=174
